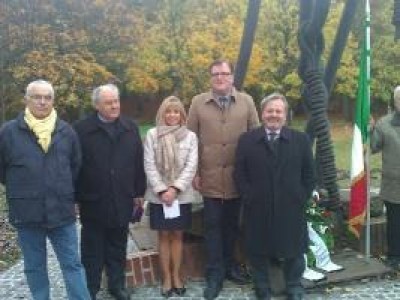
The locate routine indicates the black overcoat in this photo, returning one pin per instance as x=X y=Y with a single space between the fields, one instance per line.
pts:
x=275 y=186
x=112 y=172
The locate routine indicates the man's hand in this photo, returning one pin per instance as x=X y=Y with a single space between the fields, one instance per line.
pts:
x=138 y=201
x=371 y=123
x=196 y=183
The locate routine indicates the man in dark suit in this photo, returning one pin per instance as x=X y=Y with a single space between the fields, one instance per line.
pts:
x=110 y=181
x=274 y=172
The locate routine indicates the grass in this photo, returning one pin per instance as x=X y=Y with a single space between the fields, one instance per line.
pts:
x=143 y=129
x=342 y=134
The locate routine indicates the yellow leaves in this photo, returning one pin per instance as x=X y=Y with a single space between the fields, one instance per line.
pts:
x=73 y=75
x=167 y=45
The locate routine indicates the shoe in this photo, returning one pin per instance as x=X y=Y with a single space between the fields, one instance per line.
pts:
x=330 y=267
x=393 y=263
x=120 y=294
x=263 y=294
x=93 y=295
x=295 y=297
x=212 y=290
x=167 y=293
x=312 y=275
x=236 y=275
x=180 y=291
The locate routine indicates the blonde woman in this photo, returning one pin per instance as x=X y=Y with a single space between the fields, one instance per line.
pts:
x=170 y=161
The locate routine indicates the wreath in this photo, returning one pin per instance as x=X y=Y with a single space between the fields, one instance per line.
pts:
x=321 y=221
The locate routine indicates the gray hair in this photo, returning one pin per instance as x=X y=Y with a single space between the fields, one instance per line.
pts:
x=272 y=97
x=31 y=86
x=396 y=93
x=97 y=91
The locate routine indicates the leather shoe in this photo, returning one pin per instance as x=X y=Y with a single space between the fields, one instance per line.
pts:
x=120 y=294
x=263 y=294
x=393 y=263
x=212 y=290
x=93 y=295
x=295 y=297
x=180 y=291
x=237 y=276
x=167 y=293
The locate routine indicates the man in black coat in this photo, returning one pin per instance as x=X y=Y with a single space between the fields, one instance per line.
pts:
x=112 y=178
x=274 y=172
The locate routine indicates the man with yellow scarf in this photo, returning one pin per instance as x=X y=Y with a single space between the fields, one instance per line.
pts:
x=40 y=159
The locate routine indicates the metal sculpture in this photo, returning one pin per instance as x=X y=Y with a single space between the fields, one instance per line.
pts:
x=396 y=19
x=317 y=80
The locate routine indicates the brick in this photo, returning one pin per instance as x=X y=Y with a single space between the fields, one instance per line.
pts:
x=145 y=262
x=128 y=266
x=148 y=277
x=137 y=271
x=130 y=281
x=155 y=264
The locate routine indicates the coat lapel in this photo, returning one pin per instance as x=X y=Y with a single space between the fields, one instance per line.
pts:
x=283 y=149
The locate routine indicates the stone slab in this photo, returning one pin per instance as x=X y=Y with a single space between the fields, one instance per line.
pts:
x=356 y=266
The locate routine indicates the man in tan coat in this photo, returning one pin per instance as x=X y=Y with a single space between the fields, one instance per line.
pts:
x=219 y=117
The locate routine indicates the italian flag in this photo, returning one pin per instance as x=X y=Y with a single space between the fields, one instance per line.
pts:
x=358 y=174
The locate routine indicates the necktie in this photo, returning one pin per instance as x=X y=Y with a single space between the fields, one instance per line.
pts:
x=272 y=141
x=272 y=136
x=223 y=101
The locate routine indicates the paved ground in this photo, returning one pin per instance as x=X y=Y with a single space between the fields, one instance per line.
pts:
x=13 y=286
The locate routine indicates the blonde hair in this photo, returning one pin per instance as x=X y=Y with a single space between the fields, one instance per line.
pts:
x=171 y=101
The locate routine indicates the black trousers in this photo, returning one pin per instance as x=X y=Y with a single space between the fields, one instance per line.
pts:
x=103 y=247
x=393 y=229
x=293 y=269
x=221 y=226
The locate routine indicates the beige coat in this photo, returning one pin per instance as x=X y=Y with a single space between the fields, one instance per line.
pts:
x=218 y=132
x=188 y=160
x=386 y=138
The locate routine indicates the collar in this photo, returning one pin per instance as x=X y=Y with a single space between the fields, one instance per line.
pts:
x=22 y=123
x=96 y=124
x=100 y=117
x=268 y=131
x=284 y=133
x=211 y=97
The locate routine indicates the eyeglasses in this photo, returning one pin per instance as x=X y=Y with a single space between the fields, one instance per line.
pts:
x=222 y=74
x=37 y=98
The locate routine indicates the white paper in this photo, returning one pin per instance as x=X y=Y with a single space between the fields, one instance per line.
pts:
x=172 y=211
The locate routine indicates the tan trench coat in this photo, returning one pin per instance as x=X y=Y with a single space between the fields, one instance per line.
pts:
x=218 y=132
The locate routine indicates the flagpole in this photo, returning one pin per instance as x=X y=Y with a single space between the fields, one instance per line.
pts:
x=368 y=220
x=367 y=154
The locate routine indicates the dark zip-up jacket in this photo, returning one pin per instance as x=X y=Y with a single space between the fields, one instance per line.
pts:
x=39 y=185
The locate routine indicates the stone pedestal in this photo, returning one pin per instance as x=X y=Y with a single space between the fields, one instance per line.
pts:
x=378 y=237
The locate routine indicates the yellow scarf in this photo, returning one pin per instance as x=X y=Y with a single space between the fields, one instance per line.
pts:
x=42 y=128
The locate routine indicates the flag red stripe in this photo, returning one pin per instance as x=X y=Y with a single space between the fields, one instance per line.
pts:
x=358 y=196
